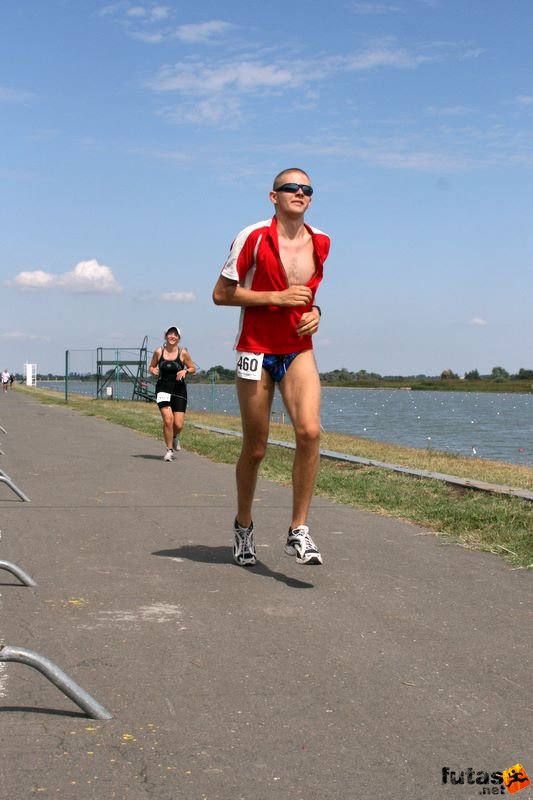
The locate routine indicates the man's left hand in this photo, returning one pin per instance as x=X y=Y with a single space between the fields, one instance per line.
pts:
x=309 y=323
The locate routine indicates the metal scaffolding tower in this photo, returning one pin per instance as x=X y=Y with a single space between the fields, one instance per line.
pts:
x=127 y=363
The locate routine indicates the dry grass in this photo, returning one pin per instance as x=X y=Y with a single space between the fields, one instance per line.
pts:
x=432 y=460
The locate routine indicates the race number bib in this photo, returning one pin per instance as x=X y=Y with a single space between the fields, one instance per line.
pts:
x=249 y=365
x=162 y=397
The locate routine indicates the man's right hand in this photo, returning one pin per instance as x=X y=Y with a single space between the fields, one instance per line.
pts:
x=295 y=296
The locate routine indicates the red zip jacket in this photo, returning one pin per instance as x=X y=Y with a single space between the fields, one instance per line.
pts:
x=255 y=263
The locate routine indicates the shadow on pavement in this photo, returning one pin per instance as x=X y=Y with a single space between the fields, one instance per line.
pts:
x=149 y=457
x=222 y=555
x=53 y=712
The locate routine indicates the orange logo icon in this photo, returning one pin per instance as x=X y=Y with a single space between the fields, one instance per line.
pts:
x=515 y=778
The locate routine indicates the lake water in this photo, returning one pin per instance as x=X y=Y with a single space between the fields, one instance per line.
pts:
x=487 y=425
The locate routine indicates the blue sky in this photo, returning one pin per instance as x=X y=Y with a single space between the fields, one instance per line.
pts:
x=138 y=138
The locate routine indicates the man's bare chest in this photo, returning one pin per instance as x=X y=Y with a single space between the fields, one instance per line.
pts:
x=298 y=261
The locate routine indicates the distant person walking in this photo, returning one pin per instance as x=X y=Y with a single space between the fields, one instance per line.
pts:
x=171 y=365
x=6 y=377
x=272 y=272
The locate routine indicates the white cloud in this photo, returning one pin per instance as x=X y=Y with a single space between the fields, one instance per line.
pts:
x=149 y=38
x=37 y=279
x=373 y=8
x=200 y=78
x=202 y=32
x=391 y=153
x=419 y=160
x=87 y=277
x=524 y=100
x=474 y=52
x=478 y=322
x=164 y=155
x=249 y=74
x=9 y=95
x=450 y=111
x=111 y=8
x=19 y=336
x=384 y=57
x=177 y=297
x=160 y=12
x=220 y=110
x=135 y=16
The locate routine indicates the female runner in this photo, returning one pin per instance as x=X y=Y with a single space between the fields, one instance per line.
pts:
x=171 y=365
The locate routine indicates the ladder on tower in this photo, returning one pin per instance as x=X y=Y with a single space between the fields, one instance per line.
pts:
x=143 y=389
x=128 y=363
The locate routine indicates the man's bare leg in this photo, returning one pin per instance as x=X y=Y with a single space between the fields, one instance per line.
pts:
x=255 y=401
x=300 y=389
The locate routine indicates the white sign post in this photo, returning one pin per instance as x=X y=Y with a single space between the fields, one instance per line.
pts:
x=30 y=372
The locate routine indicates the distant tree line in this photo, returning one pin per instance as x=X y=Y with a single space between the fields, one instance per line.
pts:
x=345 y=377
x=497 y=374
x=336 y=377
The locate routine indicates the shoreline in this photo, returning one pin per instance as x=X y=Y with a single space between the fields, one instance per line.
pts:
x=427 y=458
x=431 y=385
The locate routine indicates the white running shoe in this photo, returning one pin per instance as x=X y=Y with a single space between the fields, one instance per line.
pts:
x=169 y=455
x=300 y=544
x=176 y=443
x=243 y=546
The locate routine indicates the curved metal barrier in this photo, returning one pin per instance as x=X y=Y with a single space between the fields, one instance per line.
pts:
x=57 y=677
x=23 y=576
x=6 y=479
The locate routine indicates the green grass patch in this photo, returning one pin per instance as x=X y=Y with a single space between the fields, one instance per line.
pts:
x=475 y=519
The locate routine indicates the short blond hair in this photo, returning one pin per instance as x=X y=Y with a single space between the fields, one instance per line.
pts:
x=277 y=179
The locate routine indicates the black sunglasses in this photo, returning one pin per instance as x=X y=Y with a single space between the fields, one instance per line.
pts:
x=292 y=188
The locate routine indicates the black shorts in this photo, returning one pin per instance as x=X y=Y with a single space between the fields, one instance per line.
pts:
x=176 y=402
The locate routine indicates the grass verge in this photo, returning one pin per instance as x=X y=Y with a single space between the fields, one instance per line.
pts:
x=474 y=519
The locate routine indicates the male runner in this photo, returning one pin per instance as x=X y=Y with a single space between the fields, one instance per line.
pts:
x=272 y=272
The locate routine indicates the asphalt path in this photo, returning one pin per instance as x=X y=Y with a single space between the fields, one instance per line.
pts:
x=401 y=663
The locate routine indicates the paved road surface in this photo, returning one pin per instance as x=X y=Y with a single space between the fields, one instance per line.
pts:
x=364 y=678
